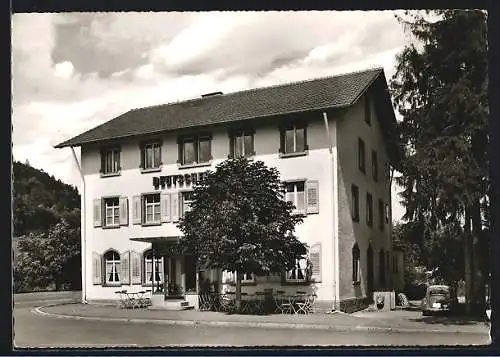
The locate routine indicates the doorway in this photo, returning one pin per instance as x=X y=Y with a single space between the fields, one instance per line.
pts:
x=369 y=280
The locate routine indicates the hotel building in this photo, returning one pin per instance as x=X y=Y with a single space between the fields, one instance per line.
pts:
x=334 y=142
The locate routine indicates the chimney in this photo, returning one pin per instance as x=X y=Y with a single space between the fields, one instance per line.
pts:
x=213 y=94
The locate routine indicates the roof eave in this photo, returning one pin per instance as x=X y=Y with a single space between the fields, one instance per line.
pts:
x=73 y=142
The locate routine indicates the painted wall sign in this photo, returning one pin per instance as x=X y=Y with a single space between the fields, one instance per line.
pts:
x=178 y=180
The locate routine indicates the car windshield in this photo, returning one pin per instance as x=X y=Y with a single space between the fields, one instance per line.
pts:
x=438 y=291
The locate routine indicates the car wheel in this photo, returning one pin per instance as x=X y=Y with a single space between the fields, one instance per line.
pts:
x=425 y=313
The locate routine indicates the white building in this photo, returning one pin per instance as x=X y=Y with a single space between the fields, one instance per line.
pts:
x=333 y=141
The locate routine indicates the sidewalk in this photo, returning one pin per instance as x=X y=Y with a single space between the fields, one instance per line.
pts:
x=335 y=321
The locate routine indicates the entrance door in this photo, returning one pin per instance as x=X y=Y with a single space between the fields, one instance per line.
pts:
x=173 y=279
x=369 y=279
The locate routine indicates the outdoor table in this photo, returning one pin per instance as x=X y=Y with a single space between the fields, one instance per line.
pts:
x=133 y=300
x=123 y=298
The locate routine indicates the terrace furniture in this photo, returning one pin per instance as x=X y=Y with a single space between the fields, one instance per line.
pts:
x=278 y=300
x=122 y=302
x=288 y=305
x=306 y=306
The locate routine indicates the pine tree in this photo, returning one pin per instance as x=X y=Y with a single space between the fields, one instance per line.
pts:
x=440 y=89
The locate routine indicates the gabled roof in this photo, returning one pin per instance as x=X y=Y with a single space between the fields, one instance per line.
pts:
x=337 y=91
x=328 y=92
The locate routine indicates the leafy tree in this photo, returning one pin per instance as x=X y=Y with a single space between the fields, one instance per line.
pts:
x=240 y=222
x=49 y=258
x=440 y=89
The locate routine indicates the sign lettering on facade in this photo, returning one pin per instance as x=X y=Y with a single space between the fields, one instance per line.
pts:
x=176 y=181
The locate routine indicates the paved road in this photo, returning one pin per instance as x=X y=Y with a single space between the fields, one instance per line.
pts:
x=39 y=331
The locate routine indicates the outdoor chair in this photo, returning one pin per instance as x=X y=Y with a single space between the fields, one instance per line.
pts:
x=306 y=306
x=278 y=300
x=287 y=305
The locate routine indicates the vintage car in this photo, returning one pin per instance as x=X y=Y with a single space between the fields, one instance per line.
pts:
x=439 y=299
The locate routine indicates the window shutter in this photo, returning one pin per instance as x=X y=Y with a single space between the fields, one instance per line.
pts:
x=123 y=211
x=141 y=150
x=96 y=268
x=231 y=145
x=135 y=263
x=312 y=188
x=142 y=272
x=174 y=204
x=179 y=150
x=282 y=141
x=97 y=212
x=228 y=277
x=136 y=210
x=103 y=158
x=125 y=268
x=165 y=207
x=315 y=258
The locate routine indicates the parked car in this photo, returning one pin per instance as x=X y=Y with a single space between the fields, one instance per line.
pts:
x=439 y=299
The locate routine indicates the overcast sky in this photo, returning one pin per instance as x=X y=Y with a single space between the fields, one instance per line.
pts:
x=74 y=71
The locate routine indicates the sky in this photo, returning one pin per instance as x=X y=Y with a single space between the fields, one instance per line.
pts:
x=74 y=71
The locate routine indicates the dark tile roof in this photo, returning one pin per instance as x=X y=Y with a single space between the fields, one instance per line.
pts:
x=329 y=92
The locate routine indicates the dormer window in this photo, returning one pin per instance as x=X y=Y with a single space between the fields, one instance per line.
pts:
x=110 y=161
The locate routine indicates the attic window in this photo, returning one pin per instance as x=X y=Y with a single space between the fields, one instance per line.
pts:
x=211 y=94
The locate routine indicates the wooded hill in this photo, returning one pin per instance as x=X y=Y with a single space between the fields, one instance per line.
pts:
x=40 y=200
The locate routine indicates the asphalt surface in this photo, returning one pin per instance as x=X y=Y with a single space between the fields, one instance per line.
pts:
x=47 y=332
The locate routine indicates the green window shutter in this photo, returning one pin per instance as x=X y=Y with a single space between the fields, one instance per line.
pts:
x=135 y=264
x=136 y=210
x=174 y=204
x=97 y=204
x=315 y=260
x=123 y=211
x=96 y=268
x=312 y=196
x=165 y=207
x=125 y=268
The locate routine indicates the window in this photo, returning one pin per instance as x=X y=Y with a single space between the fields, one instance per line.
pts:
x=355 y=203
x=112 y=267
x=242 y=143
x=356 y=257
x=381 y=214
x=153 y=268
x=369 y=209
x=151 y=156
x=394 y=264
x=361 y=155
x=152 y=212
x=387 y=213
x=387 y=173
x=112 y=212
x=368 y=112
x=110 y=161
x=299 y=272
x=194 y=150
x=187 y=199
x=294 y=192
x=381 y=266
x=229 y=277
x=374 y=166
x=293 y=139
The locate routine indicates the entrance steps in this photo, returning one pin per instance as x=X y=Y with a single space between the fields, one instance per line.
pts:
x=158 y=302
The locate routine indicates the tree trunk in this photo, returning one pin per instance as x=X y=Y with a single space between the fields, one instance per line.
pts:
x=238 y=292
x=478 y=259
x=468 y=263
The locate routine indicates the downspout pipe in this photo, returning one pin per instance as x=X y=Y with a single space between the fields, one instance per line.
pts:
x=333 y=173
x=83 y=230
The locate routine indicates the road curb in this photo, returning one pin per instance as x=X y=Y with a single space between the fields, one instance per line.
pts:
x=273 y=325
